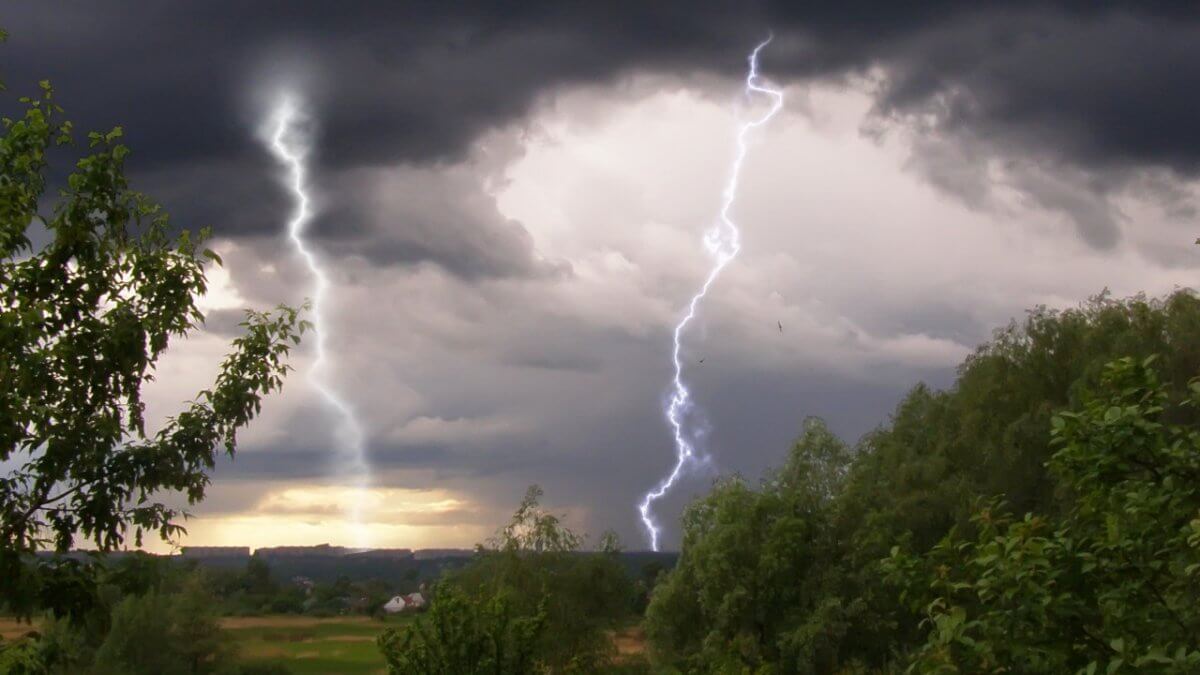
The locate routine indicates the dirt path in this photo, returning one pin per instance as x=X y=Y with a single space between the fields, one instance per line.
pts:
x=630 y=643
x=11 y=629
x=276 y=621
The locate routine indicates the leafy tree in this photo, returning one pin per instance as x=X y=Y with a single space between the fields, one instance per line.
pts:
x=84 y=319
x=750 y=573
x=1113 y=587
x=462 y=636
x=908 y=483
x=532 y=575
x=532 y=529
x=170 y=626
x=536 y=562
x=198 y=639
x=140 y=640
x=989 y=435
x=257 y=579
x=158 y=633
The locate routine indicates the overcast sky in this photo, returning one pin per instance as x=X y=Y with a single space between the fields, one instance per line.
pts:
x=511 y=205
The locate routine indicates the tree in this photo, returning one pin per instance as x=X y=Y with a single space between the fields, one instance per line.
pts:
x=83 y=320
x=989 y=435
x=910 y=482
x=168 y=626
x=1114 y=586
x=257 y=579
x=750 y=573
x=530 y=593
x=157 y=634
x=535 y=562
x=462 y=636
x=140 y=640
x=198 y=639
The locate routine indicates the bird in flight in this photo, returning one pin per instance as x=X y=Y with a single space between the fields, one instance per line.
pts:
x=780 y=324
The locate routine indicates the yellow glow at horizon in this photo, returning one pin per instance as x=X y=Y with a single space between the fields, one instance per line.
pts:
x=307 y=515
x=373 y=501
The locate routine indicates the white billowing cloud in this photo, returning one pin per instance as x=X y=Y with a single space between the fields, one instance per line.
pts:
x=221 y=292
x=838 y=232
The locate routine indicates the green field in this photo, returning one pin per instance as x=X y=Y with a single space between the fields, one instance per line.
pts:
x=312 y=645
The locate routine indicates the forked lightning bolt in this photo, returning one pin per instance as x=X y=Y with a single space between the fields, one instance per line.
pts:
x=723 y=242
x=290 y=147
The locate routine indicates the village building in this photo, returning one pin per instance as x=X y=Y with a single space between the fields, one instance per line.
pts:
x=405 y=603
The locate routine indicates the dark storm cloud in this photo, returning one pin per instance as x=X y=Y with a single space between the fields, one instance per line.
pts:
x=390 y=216
x=1073 y=104
x=1100 y=88
x=312 y=462
x=1107 y=89
x=1075 y=100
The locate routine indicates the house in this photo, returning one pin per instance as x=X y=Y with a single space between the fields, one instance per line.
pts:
x=404 y=603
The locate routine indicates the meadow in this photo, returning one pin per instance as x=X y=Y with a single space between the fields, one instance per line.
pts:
x=310 y=644
x=303 y=644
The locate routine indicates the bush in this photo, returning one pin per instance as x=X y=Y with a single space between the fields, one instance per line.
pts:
x=461 y=636
x=532 y=595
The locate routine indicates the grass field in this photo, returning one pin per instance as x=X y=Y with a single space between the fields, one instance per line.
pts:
x=347 y=644
x=305 y=644
x=312 y=645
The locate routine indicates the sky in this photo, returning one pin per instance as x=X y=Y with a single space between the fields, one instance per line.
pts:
x=511 y=200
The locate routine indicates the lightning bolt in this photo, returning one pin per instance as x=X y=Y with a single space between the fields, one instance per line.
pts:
x=288 y=144
x=722 y=242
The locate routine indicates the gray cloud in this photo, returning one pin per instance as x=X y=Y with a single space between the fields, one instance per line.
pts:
x=409 y=216
x=417 y=83
x=484 y=354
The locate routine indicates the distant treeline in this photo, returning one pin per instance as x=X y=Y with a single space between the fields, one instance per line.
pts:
x=329 y=568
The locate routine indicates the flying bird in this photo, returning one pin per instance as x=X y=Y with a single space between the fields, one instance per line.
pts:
x=780 y=324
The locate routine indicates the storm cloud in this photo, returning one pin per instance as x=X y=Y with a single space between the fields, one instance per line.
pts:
x=1104 y=90
x=510 y=198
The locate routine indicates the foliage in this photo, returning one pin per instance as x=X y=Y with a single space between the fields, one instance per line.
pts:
x=149 y=617
x=160 y=633
x=462 y=636
x=1111 y=587
x=749 y=574
x=22 y=657
x=909 y=483
x=198 y=638
x=83 y=320
x=531 y=592
x=140 y=639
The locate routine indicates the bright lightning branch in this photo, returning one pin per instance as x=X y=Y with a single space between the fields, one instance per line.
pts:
x=289 y=145
x=722 y=242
